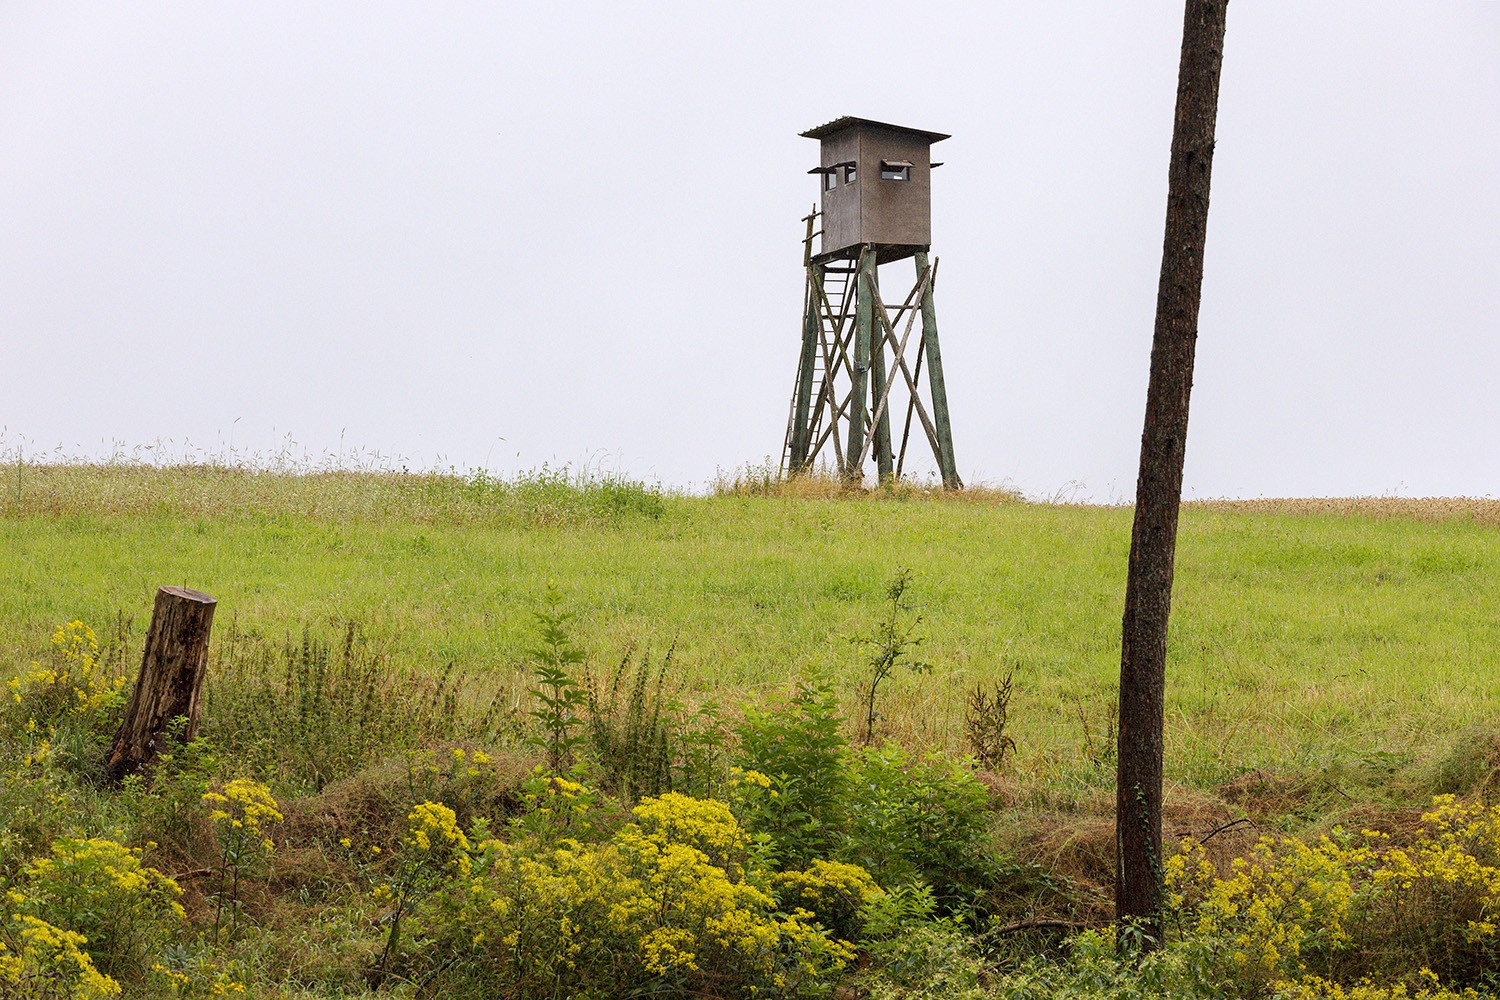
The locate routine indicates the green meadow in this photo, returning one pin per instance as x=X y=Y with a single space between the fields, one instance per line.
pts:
x=570 y=735
x=1303 y=635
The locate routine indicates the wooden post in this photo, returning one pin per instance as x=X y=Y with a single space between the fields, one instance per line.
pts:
x=864 y=315
x=883 y=463
x=803 y=405
x=171 y=678
x=1158 y=491
x=947 y=467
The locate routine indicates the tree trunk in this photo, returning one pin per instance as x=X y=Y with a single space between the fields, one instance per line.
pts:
x=1153 y=539
x=170 y=681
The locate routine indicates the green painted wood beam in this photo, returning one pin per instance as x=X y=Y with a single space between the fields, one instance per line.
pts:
x=884 y=464
x=864 y=316
x=947 y=467
x=805 y=368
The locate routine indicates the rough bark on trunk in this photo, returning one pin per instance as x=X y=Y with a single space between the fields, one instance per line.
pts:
x=171 y=678
x=1153 y=539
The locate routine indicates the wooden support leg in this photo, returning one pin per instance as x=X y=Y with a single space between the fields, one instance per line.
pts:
x=944 y=428
x=864 y=315
x=878 y=389
x=805 y=368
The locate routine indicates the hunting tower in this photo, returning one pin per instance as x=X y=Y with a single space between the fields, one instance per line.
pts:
x=876 y=182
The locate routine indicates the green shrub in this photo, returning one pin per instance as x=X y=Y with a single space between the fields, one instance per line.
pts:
x=1096 y=969
x=555 y=497
x=797 y=750
x=165 y=804
x=34 y=804
x=893 y=644
x=99 y=889
x=676 y=902
x=303 y=715
x=558 y=694
x=914 y=954
x=630 y=728
x=914 y=819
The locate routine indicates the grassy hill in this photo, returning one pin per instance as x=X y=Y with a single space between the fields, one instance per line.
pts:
x=1304 y=634
x=1332 y=668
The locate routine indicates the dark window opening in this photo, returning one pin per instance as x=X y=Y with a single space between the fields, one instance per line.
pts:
x=895 y=170
x=849 y=174
x=830 y=180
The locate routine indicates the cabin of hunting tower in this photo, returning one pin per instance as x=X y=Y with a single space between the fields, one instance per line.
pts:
x=877 y=188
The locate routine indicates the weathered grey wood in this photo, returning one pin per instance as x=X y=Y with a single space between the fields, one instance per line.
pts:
x=830 y=433
x=829 y=395
x=170 y=683
x=884 y=385
x=911 y=383
x=863 y=317
x=1158 y=492
x=943 y=427
x=911 y=407
x=840 y=338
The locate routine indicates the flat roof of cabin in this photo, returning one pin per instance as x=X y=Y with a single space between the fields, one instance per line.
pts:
x=846 y=122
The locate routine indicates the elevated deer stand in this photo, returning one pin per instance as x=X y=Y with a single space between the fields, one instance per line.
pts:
x=876 y=209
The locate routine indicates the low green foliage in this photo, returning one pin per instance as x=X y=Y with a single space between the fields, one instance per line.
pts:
x=793 y=756
x=558 y=695
x=631 y=729
x=1300 y=632
x=307 y=715
x=914 y=954
x=920 y=820
x=893 y=644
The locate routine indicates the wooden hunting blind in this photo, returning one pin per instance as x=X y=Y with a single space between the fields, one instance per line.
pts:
x=877 y=187
x=876 y=182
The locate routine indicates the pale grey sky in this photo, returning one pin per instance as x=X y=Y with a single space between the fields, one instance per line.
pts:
x=502 y=234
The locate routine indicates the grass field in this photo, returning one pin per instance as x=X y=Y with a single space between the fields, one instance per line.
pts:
x=374 y=691
x=1306 y=635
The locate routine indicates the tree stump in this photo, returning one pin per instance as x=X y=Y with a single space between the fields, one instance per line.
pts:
x=170 y=681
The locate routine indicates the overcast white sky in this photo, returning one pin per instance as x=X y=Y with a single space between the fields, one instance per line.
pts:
x=501 y=234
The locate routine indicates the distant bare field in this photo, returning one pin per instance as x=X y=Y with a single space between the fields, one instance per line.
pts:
x=1481 y=509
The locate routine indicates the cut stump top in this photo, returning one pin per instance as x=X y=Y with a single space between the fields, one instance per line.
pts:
x=188 y=594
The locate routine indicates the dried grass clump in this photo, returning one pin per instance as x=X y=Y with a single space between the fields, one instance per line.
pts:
x=825 y=483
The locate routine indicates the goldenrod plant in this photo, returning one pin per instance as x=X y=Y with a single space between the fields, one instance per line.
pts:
x=242 y=811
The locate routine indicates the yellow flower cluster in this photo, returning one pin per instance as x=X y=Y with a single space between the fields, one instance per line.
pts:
x=434 y=823
x=76 y=683
x=33 y=950
x=101 y=871
x=476 y=759
x=86 y=895
x=1286 y=897
x=673 y=890
x=1459 y=850
x=1317 y=988
x=244 y=808
x=1293 y=909
x=705 y=825
x=834 y=891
